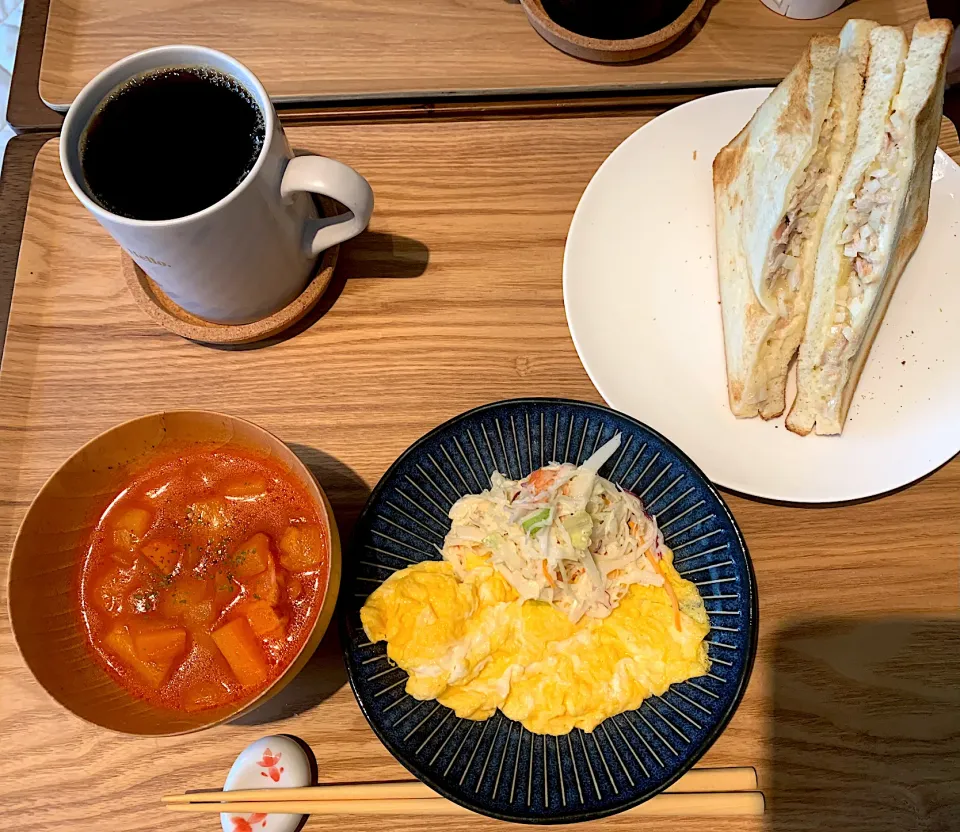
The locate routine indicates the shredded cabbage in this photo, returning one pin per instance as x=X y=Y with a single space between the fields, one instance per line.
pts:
x=563 y=535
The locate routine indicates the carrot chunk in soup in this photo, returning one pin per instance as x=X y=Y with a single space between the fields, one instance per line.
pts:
x=199 y=614
x=189 y=599
x=119 y=641
x=206 y=660
x=226 y=589
x=163 y=555
x=208 y=517
x=130 y=527
x=301 y=548
x=278 y=633
x=245 y=489
x=160 y=645
x=276 y=636
x=185 y=592
x=266 y=585
x=242 y=651
x=262 y=617
x=251 y=557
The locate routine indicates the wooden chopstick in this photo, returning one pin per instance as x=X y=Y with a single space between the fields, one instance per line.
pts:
x=698 y=780
x=714 y=804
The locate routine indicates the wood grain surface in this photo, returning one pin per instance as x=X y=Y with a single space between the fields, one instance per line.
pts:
x=15 y=176
x=347 y=49
x=26 y=111
x=451 y=300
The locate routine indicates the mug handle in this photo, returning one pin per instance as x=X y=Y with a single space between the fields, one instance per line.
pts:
x=320 y=175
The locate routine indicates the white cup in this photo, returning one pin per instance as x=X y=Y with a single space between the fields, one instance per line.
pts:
x=803 y=9
x=252 y=252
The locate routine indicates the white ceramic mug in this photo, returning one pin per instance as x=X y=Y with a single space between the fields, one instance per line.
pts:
x=252 y=252
x=804 y=9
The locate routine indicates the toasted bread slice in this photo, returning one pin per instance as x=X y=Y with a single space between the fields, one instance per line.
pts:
x=772 y=185
x=875 y=222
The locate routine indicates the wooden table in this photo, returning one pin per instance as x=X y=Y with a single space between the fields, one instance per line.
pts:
x=348 y=51
x=453 y=299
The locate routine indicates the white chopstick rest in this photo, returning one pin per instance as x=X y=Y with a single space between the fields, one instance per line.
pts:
x=273 y=762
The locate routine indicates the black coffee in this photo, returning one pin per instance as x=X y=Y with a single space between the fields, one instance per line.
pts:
x=171 y=143
x=614 y=19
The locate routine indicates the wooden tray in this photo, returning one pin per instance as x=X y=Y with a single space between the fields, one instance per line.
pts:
x=354 y=49
x=454 y=299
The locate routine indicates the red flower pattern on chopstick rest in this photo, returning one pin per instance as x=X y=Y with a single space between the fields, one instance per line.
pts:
x=246 y=825
x=269 y=762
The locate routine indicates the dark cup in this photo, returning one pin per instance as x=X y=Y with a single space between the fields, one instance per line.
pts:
x=614 y=19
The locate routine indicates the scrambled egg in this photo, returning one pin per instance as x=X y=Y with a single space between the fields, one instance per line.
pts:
x=474 y=646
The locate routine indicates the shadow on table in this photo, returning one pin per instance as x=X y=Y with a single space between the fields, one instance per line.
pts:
x=343 y=486
x=371 y=254
x=866 y=725
x=324 y=674
x=376 y=254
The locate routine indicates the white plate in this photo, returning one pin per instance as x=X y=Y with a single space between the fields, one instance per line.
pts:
x=640 y=290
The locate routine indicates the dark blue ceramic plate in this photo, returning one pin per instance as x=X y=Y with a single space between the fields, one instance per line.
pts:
x=497 y=767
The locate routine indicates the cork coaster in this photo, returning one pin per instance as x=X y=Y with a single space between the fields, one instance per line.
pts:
x=158 y=306
x=608 y=51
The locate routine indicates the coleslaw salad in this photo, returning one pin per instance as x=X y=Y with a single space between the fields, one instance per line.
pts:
x=563 y=535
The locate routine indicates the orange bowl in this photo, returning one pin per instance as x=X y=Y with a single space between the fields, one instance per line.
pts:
x=43 y=593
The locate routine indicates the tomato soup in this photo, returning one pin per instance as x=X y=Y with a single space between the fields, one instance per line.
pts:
x=203 y=578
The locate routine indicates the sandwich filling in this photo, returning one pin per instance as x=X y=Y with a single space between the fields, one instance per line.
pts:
x=783 y=270
x=867 y=219
x=783 y=263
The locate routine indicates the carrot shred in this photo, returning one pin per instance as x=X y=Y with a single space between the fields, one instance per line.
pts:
x=546 y=573
x=540 y=479
x=669 y=588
